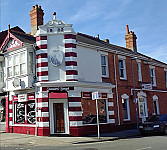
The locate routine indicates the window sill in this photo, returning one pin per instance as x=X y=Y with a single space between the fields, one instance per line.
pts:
x=123 y=79
x=25 y=125
x=126 y=120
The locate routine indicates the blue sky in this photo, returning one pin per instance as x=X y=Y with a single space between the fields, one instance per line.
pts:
x=147 y=18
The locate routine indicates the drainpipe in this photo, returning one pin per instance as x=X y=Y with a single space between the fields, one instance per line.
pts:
x=116 y=86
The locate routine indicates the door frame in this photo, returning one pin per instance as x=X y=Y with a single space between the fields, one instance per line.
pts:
x=66 y=118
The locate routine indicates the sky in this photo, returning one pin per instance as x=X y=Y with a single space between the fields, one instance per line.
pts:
x=108 y=18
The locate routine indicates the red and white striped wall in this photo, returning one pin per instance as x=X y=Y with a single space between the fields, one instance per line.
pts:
x=70 y=57
x=111 y=111
x=41 y=58
x=10 y=110
x=75 y=109
x=43 y=111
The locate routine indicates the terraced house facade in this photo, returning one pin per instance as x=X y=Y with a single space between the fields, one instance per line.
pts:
x=49 y=76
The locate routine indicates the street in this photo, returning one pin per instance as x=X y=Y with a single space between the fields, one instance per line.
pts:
x=157 y=142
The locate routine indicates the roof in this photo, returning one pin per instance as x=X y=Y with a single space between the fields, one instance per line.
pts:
x=3 y=34
x=97 y=42
x=25 y=38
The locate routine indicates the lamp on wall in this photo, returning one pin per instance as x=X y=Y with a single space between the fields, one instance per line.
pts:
x=137 y=121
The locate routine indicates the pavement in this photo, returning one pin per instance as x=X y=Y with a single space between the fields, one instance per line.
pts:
x=14 y=139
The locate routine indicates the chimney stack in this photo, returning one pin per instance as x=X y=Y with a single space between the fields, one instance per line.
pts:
x=36 y=15
x=130 y=39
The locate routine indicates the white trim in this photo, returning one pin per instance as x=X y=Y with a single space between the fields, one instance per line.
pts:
x=40 y=69
x=43 y=114
x=71 y=76
x=75 y=104
x=74 y=94
x=106 y=65
x=155 y=98
x=10 y=123
x=124 y=96
x=71 y=50
x=41 y=51
x=111 y=121
x=10 y=106
x=43 y=124
x=75 y=113
x=39 y=60
x=10 y=114
x=111 y=112
x=24 y=125
x=42 y=104
x=42 y=94
x=71 y=67
x=40 y=78
x=76 y=123
x=41 y=42
x=165 y=69
x=71 y=59
x=70 y=41
x=110 y=103
x=121 y=57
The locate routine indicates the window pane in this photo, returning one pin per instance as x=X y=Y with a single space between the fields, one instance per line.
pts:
x=103 y=70
x=9 y=71
x=30 y=62
x=89 y=111
x=20 y=113
x=121 y=64
x=22 y=57
x=125 y=109
x=166 y=77
x=16 y=70
x=31 y=112
x=15 y=60
x=103 y=60
x=23 y=68
x=9 y=60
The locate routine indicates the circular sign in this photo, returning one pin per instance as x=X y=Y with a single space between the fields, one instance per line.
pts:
x=56 y=58
x=16 y=82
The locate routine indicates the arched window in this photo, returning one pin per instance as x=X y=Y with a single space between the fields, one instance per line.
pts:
x=155 y=104
x=125 y=107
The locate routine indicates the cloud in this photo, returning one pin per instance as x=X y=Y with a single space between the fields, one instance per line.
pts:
x=159 y=53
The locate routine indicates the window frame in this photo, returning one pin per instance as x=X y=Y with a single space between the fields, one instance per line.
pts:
x=155 y=99
x=139 y=70
x=9 y=66
x=31 y=62
x=122 y=58
x=104 y=65
x=152 y=75
x=1 y=71
x=125 y=97
x=165 y=76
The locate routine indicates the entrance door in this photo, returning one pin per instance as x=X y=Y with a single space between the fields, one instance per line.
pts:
x=58 y=110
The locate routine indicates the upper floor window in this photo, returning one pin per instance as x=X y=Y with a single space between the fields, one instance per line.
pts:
x=122 y=67
x=23 y=67
x=31 y=62
x=9 y=66
x=1 y=71
x=139 y=71
x=15 y=65
x=166 y=77
x=104 y=65
x=152 y=74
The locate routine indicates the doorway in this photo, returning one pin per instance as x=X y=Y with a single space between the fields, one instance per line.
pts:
x=58 y=112
x=59 y=123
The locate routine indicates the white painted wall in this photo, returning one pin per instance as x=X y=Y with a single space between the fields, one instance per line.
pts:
x=56 y=42
x=89 y=64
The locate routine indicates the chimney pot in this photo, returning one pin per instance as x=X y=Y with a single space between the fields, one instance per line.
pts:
x=127 y=29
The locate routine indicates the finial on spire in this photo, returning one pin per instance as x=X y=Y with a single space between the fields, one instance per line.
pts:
x=54 y=15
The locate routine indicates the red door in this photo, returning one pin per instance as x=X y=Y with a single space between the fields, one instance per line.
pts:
x=59 y=117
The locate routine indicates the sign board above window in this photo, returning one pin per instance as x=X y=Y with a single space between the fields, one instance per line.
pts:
x=147 y=86
x=22 y=97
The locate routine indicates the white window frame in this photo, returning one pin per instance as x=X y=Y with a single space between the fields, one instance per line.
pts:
x=126 y=97
x=153 y=77
x=139 y=70
x=31 y=63
x=1 y=72
x=16 y=65
x=105 y=65
x=155 y=99
x=122 y=58
x=142 y=95
x=9 y=66
x=23 y=63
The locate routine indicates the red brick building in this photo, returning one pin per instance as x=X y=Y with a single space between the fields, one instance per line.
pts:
x=49 y=81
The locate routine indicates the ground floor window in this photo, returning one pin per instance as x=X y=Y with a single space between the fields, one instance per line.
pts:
x=125 y=107
x=25 y=112
x=143 y=112
x=89 y=115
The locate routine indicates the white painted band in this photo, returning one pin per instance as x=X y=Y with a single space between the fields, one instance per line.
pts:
x=10 y=114
x=41 y=42
x=43 y=114
x=40 y=78
x=43 y=124
x=111 y=120
x=42 y=104
x=10 y=123
x=39 y=60
x=41 y=51
x=40 y=69
x=76 y=123
x=75 y=113
x=72 y=77
x=74 y=104
x=10 y=106
x=71 y=67
x=110 y=112
x=42 y=95
x=71 y=50
x=110 y=104
x=71 y=59
x=70 y=41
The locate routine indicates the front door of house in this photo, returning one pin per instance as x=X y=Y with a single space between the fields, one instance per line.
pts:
x=58 y=109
